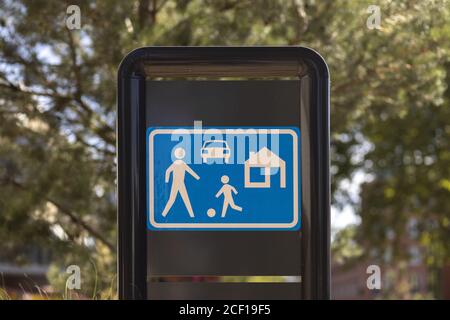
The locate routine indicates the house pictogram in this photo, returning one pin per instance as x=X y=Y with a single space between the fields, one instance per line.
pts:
x=267 y=161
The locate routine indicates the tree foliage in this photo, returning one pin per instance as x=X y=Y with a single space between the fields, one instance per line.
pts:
x=390 y=112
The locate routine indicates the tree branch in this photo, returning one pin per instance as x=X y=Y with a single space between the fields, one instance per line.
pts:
x=66 y=211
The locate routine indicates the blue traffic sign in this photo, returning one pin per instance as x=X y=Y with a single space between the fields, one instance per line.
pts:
x=223 y=178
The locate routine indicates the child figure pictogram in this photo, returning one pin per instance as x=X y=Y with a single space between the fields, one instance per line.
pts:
x=227 y=191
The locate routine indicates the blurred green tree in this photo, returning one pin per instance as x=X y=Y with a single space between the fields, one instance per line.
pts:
x=390 y=114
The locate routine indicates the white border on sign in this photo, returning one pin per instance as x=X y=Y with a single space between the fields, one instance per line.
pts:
x=222 y=225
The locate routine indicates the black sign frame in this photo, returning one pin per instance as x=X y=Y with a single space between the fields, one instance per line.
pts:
x=132 y=280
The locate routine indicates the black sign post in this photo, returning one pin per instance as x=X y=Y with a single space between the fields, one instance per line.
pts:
x=168 y=252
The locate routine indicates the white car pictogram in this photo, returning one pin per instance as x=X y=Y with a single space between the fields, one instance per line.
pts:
x=215 y=149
